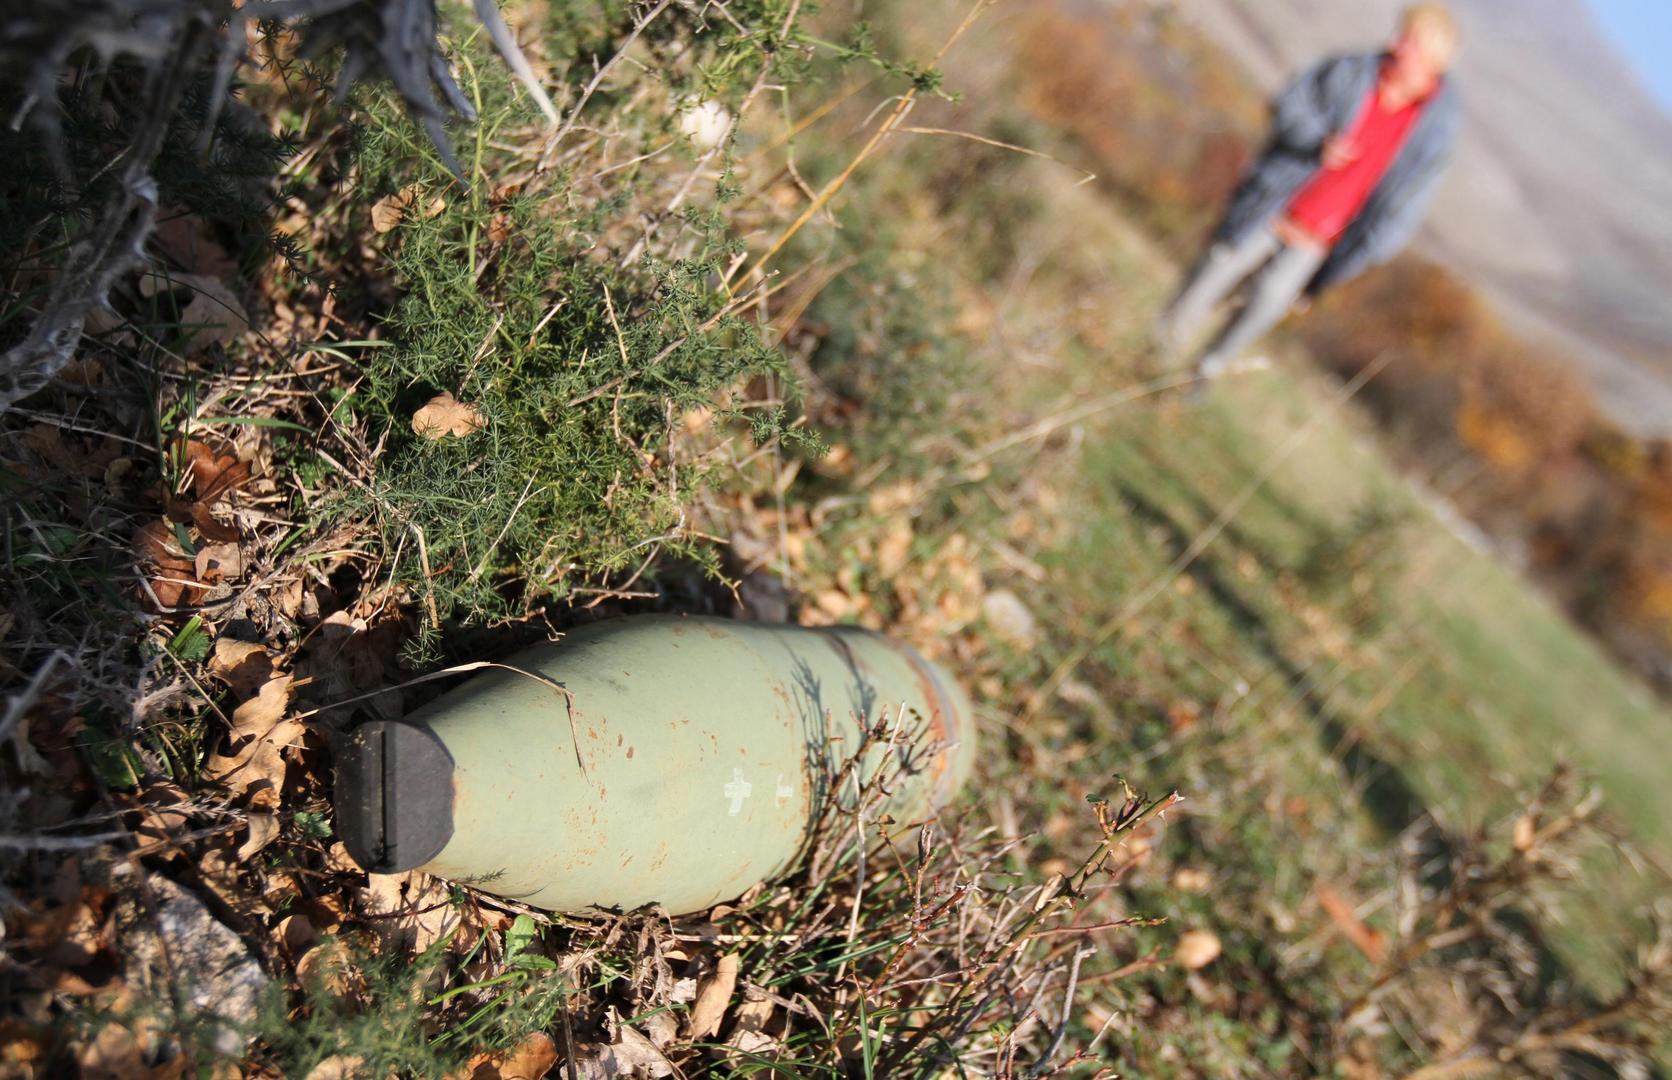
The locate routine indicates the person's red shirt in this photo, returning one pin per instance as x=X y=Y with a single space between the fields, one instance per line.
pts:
x=1333 y=197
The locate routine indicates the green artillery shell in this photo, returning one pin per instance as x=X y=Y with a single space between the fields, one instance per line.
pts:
x=683 y=760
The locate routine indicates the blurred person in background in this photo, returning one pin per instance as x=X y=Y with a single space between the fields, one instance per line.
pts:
x=1357 y=146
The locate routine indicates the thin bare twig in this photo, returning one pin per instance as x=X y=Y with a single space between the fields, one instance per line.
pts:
x=586 y=94
x=24 y=700
x=1086 y=177
x=885 y=129
x=1067 y=1012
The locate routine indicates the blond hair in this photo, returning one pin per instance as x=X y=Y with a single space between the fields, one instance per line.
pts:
x=1438 y=19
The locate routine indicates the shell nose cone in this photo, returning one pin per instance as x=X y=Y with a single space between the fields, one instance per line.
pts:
x=394 y=795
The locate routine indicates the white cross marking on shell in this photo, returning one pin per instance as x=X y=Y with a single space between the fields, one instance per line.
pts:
x=737 y=790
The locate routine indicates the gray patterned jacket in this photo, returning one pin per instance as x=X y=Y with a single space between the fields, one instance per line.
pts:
x=1322 y=102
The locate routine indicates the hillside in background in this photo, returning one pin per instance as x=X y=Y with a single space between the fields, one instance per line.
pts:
x=1555 y=207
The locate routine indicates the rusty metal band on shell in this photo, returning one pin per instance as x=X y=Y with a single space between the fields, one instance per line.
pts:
x=704 y=746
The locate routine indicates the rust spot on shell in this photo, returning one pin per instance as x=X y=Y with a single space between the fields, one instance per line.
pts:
x=945 y=728
x=931 y=704
x=630 y=753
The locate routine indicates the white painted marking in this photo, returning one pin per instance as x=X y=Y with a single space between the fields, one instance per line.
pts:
x=783 y=793
x=737 y=790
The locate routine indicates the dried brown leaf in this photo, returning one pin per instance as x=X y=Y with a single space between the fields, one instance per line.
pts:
x=234 y=476
x=165 y=815
x=214 y=531
x=291 y=598
x=1182 y=716
x=833 y=604
x=113 y=1053
x=339 y=1067
x=683 y=992
x=213 y=474
x=338 y=859
x=219 y=562
x=388 y=211
x=256 y=765
x=323 y=971
x=185 y=239
x=244 y=665
x=713 y=998
x=894 y=548
x=172 y=578
x=1192 y=879
x=260 y=714
x=263 y=829
x=1197 y=949
x=893 y=498
x=155 y=544
x=753 y=1044
x=214 y=313
x=753 y=1014
x=73 y=940
x=23 y=1047
x=530 y=1060
x=663 y=1029
x=346 y=657
x=413 y=909
x=47 y=444
x=296 y=934
x=446 y=415
x=632 y=1056
x=749 y=1036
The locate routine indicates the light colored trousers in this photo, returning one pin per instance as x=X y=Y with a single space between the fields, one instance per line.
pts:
x=1276 y=276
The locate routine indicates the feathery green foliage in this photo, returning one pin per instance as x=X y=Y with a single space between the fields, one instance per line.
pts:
x=579 y=369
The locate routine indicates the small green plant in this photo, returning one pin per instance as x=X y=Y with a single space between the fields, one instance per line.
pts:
x=567 y=375
x=313 y=824
x=190 y=643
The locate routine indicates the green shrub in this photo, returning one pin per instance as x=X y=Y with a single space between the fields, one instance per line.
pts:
x=578 y=370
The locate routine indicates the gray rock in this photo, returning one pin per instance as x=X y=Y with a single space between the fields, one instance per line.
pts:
x=174 y=948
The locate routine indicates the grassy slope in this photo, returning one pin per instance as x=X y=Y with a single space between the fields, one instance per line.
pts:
x=1434 y=681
